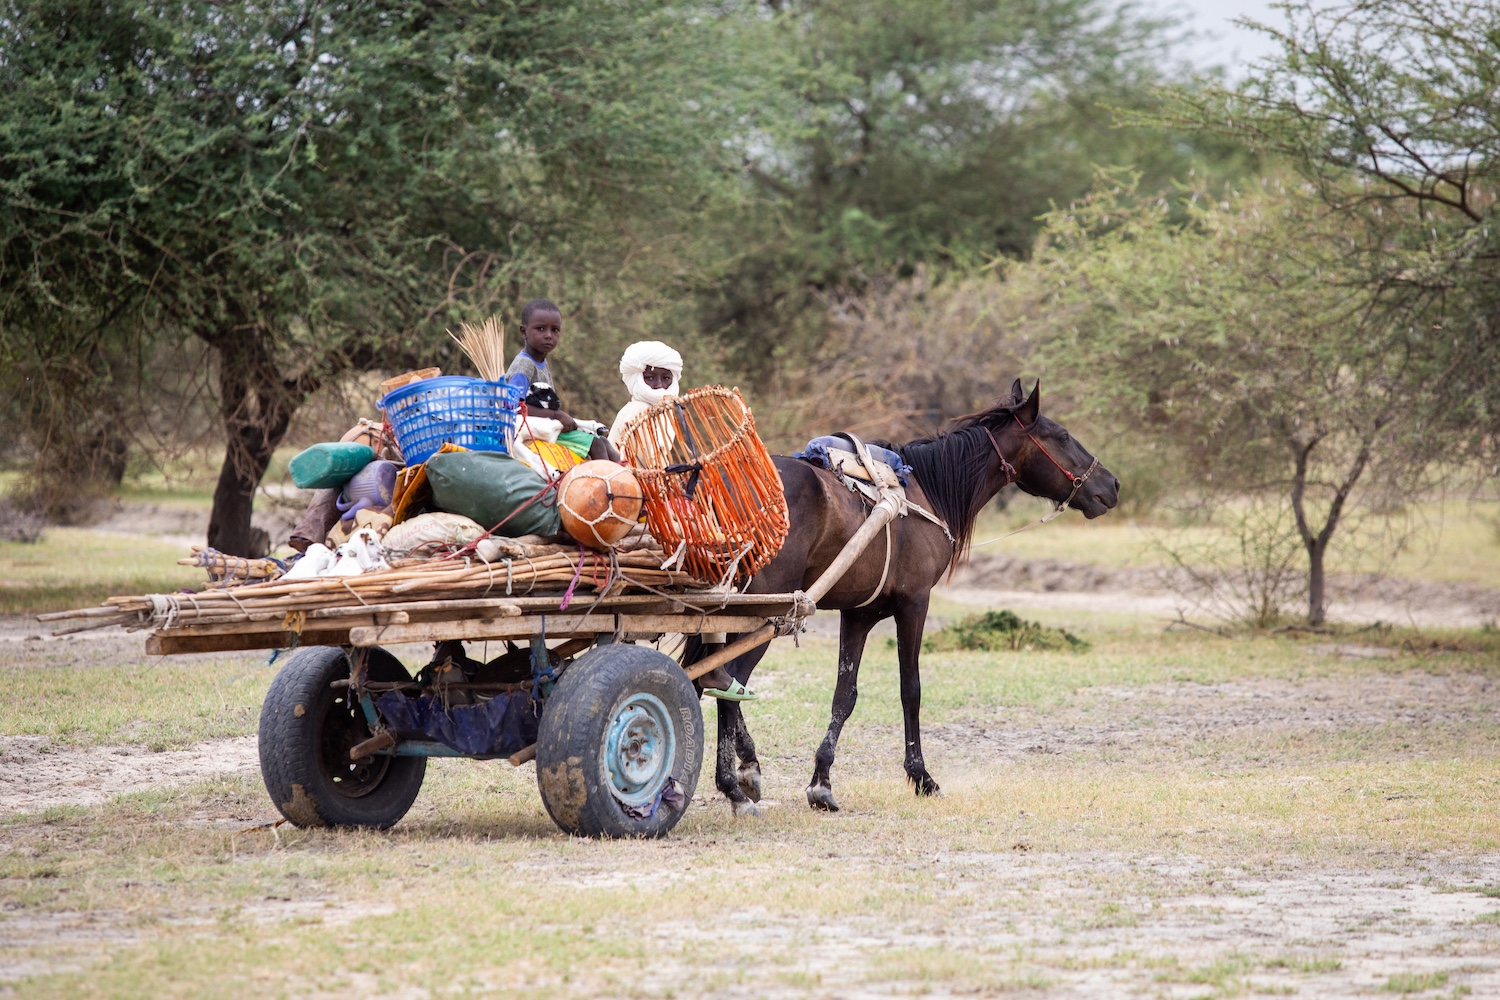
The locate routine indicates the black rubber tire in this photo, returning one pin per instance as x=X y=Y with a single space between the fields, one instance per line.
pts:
x=306 y=729
x=571 y=770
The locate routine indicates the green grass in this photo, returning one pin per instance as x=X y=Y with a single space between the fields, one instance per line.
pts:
x=159 y=702
x=75 y=568
x=1415 y=982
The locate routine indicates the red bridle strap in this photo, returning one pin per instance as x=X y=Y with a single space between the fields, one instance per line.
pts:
x=1077 y=481
x=1040 y=447
x=1010 y=472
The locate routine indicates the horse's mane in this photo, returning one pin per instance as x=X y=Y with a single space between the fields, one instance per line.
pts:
x=951 y=469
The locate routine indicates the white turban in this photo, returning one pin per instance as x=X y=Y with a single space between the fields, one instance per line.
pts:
x=649 y=354
x=638 y=357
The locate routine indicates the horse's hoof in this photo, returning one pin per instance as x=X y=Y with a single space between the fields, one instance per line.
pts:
x=745 y=809
x=926 y=787
x=821 y=797
x=750 y=783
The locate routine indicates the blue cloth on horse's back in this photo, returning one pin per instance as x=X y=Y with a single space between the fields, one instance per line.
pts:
x=502 y=725
x=816 y=452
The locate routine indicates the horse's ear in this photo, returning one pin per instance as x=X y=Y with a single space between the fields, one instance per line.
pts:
x=1017 y=393
x=1028 y=411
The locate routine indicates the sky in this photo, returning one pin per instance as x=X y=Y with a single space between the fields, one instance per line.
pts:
x=1220 y=41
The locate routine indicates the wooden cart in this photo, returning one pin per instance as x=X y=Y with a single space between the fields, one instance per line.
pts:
x=619 y=730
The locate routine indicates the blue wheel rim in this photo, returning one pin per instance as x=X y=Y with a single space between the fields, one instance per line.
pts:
x=639 y=747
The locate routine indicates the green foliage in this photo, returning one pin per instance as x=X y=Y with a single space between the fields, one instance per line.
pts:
x=1253 y=339
x=906 y=132
x=314 y=189
x=997 y=631
x=1388 y=107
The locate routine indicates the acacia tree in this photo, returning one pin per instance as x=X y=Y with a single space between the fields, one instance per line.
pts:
x=312 y=187
x=1250 y=339
x=1391 y=108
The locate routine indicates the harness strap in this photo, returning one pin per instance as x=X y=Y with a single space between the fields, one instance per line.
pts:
x=861 y=452
x=1006 y=469
x=884 y=572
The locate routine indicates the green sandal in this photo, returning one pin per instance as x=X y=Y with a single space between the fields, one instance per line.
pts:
x=735 y=692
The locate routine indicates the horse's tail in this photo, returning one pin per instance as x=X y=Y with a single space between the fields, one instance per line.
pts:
x=692 y=650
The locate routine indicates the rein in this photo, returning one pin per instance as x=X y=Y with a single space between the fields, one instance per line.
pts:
x=1011 y=475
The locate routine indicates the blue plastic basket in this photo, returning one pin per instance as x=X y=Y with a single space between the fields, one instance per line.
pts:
x=452 y=409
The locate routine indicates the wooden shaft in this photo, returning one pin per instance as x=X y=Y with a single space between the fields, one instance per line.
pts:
x=759 y=637
x=379 y=741
x=522 y=756
x=852 y=550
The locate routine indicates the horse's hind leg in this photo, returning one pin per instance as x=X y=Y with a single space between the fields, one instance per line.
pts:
x=725 y=777
x=749 y=772
x=735 y=738
x=910 y=617
x=853 y=630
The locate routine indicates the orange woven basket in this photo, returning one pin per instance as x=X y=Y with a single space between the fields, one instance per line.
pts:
x=712 y=493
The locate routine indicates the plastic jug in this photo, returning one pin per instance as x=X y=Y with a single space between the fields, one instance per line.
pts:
x=330 y=464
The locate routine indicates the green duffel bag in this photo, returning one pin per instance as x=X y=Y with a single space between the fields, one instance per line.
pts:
x=490 y=486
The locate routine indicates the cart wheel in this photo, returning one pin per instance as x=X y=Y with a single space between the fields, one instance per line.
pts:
x=306 y=730
x=621 y=744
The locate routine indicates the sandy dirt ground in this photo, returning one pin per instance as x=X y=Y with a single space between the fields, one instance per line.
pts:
x=1160 y=926
x=36 y=773
x=1318 y=933
x=1079 y=924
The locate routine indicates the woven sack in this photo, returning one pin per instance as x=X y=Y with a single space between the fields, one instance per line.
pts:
x=713 y=496
x=491 y=487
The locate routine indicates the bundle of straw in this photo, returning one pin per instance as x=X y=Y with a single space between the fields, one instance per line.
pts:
x=484 y=344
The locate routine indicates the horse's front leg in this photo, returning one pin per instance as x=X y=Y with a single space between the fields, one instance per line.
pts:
x=911 y=616
x=853 y=630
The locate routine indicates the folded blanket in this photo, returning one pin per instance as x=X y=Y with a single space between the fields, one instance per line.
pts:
x=816 y=452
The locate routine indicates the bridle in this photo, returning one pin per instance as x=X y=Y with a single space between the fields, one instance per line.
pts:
x=1077 y=481
x=1011 y=475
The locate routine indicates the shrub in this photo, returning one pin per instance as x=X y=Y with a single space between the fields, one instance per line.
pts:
x=995 y=631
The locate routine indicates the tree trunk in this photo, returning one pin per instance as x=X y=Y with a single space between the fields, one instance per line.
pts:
x=1316 y=543
x=257 y=409
x=1317 y=610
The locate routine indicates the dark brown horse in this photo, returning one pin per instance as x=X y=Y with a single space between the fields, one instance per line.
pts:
x=955 y=475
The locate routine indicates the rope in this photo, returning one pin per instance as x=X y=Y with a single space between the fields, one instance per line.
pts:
x=726 y=582
x=474 y=544
x=1060 y=508
x=567 y=597
x=165 y=610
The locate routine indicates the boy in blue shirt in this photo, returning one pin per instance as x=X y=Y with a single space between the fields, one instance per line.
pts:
x=541 y=332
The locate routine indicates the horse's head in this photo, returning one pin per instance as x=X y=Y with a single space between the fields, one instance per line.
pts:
x=1048 y=461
